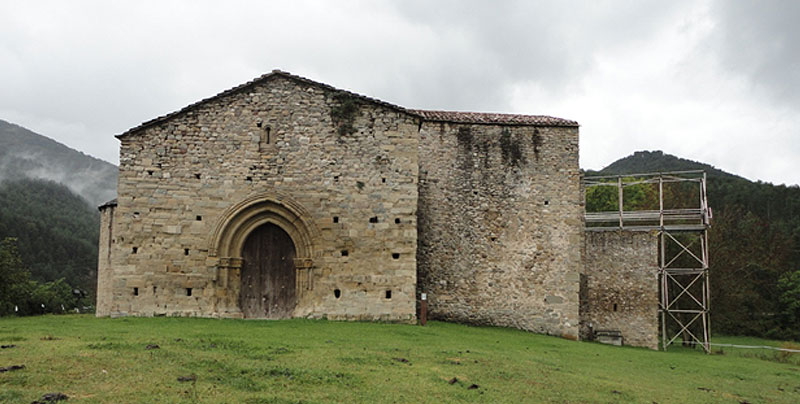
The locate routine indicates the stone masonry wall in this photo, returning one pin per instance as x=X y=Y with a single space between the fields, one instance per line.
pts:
x=621 y=286
x=104 y=273
x=352 y=165
x=501 y=225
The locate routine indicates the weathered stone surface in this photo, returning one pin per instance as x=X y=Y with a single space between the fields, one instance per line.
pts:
x=500 y=225
x=104 y=273
x=620 y=290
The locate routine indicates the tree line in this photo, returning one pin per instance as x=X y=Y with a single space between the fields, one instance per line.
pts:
x=21 y=295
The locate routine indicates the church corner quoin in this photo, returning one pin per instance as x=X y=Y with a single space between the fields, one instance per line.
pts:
x=285 y=197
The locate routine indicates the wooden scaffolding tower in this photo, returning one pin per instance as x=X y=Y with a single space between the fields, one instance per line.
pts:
x=675 y=206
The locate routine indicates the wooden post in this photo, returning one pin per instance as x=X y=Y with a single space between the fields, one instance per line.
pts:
x=619 y=186
x=423 y=309
x=661 y=203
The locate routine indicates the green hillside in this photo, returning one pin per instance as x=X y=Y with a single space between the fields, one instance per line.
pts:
x=754 y=247
x=48 y=198
x=56 y=230
x=654 y=161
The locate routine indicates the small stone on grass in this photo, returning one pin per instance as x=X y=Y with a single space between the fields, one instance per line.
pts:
x=189 y=378
x=51 y=398
x=12 y=367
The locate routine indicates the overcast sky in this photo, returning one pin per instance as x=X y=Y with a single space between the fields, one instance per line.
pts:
x=713 y=81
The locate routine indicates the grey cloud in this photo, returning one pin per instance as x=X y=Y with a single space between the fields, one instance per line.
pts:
x=83 y=71
x=551 y=44
x=760 y=40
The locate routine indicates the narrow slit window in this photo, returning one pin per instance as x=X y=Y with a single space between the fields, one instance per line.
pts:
x=185 y=251
x=265 y=138
x=336 y=219
x=188 y=291
x=135 y=250
x=136 y=291
x=337 y=293
x=388 y=294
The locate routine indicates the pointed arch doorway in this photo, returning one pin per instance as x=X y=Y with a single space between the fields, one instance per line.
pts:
x=264 y=246
x=268 y=278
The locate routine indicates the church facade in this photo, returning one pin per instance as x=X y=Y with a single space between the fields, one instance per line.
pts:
x=285 y=197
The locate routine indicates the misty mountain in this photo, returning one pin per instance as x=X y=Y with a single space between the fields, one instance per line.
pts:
x=25 y=154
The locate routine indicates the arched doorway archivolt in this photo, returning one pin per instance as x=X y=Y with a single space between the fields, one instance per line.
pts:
x=239 y=220
x=243 y=218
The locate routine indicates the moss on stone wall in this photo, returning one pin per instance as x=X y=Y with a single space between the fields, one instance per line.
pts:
x=343 y=113
x=511 y=149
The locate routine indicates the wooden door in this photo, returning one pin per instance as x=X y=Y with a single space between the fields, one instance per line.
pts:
x=268 y=274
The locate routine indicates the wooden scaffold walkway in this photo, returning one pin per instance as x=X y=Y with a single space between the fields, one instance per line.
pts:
x=678 y=211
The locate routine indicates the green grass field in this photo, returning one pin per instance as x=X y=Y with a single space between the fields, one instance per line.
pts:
x=301 y=361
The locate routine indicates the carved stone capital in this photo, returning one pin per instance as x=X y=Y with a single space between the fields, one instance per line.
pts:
x=230 y=262
x=303 y=263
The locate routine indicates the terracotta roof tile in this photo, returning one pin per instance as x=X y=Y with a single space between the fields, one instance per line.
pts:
x=492 y=118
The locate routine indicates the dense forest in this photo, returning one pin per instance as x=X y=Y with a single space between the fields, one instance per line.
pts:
x=754 y=244
x=55 y=231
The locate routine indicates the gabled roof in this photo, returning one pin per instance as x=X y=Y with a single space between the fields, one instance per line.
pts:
x=436 y=116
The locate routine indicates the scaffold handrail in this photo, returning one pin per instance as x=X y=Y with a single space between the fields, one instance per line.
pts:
x=650 y=174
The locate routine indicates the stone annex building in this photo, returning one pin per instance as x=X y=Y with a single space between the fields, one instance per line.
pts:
x=285 y=197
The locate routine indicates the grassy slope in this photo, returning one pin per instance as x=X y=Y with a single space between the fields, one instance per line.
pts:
x=105 y=360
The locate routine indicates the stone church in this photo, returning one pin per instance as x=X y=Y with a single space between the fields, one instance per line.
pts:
x=285 y=197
